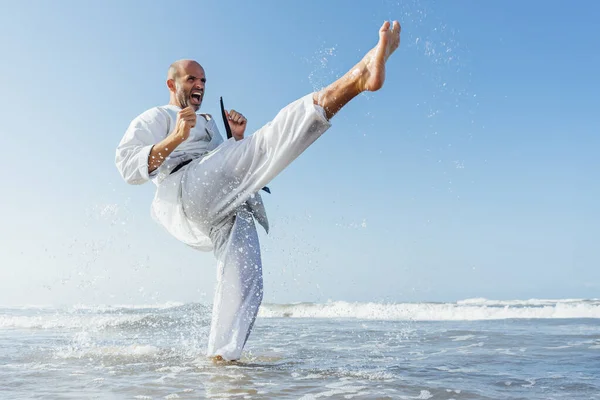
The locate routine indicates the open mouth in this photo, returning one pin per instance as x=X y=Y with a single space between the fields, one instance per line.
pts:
x=196 y=98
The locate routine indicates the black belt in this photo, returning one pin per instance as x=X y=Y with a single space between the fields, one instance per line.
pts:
x=180 y=165
x=229 y=135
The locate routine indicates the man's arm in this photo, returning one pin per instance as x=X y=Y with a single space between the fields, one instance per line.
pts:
x=186 y=120
x=161 y=150
x=144 y=147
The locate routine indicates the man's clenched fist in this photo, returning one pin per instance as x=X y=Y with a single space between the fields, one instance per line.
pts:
x=186 y=120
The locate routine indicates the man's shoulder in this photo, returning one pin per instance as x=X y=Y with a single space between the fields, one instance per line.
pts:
x=154 y=114
x=153 y=119
x=155 y=111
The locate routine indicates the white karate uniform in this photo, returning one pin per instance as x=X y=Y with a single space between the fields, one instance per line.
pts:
x=211 y=203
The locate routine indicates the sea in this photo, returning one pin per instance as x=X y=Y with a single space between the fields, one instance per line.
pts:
x=470 y=349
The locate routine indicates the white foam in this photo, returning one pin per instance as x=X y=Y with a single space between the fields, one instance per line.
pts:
x=117 y=307
x=462 y=338
x=66 y=321
x=94 y=307
x=466 y=310
x=133 y=350
x=26 y=307
x=480 y=301
x=98 y=317
x=174 y=369
x=341 y=388
x=457 y=370
x=425 y=394
x=87 y=317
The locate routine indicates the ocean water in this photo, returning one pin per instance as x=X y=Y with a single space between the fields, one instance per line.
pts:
x=472 y=349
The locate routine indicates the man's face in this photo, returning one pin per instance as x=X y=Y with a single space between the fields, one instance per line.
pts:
x=189 y=86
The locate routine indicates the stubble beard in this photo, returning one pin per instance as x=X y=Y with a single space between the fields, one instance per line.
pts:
x=182 y=97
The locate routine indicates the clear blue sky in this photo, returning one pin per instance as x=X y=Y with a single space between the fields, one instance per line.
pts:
x=473 y=173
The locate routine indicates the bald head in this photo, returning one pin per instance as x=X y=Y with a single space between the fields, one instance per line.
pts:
x=178 y=68
x=186 y=80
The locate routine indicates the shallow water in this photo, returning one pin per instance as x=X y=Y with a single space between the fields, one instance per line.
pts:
x=156 y=352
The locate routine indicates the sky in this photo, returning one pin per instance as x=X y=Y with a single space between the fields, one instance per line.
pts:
x=472 y=173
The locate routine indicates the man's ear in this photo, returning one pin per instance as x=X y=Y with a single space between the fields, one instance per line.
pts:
x=171 y=84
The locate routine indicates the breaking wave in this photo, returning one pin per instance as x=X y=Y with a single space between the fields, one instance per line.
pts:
x=182 y=316
x=464 y=310
x=100 y=317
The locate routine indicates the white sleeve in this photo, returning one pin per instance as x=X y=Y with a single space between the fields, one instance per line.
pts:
x=134 y=149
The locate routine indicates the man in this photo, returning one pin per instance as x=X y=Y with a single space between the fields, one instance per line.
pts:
x=208 y=189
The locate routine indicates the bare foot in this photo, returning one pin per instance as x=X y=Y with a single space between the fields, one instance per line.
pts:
x=367 y=75
x=221 y=360
x=371 y=69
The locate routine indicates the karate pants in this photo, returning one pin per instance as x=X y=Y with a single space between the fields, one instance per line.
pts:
x=214 y=194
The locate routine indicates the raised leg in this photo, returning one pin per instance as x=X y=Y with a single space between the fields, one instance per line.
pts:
x=367 y=75
x=217 y=185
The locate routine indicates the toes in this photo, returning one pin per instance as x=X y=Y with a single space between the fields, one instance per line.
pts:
x=384 y=27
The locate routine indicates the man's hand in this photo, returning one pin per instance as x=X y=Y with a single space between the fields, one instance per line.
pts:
x=186 y=120
x=237 y=123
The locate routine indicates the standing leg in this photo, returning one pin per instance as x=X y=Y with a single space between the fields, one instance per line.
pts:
x=239 y=289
